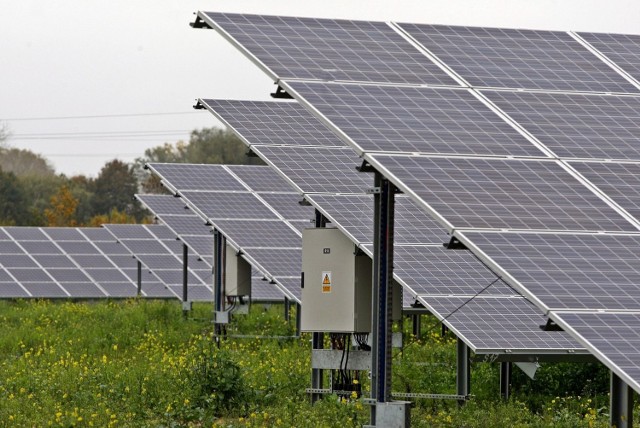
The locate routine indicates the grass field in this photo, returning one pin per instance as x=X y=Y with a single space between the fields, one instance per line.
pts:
x=140 y=363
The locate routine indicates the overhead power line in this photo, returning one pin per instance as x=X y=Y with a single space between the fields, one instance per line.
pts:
x=100 y=116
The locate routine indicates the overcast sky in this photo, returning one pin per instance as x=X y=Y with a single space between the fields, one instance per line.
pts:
x=70 y=58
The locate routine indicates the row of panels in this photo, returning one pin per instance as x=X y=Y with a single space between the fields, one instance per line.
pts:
x=419 y=54
x=490 y=193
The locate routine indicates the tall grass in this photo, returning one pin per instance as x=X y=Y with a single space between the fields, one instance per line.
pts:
x=140 y=363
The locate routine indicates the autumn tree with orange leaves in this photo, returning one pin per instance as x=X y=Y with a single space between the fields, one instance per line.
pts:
x=62 y=208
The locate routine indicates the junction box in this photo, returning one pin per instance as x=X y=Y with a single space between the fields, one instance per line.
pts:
x=237 y=274
x=336 y=283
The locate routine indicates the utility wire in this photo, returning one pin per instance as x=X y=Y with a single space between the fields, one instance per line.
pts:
x=100 y=116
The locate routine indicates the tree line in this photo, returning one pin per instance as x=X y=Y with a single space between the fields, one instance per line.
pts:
x=33 y=194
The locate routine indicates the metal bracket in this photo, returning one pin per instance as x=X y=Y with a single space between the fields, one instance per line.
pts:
x=251 y=154
x=281 y=93
x=373 y=191
x=199 y=106
x=372 y=401
x=551 y=326
x=365 y=167
x=304 y=202
x=199 y=23
x=454 y=244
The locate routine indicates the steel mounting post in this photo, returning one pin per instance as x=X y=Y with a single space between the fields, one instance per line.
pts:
x=621 y=403
x=463 y=378
x=185 y=279
x=383 y=220
x=219 y=247
x=317 y=338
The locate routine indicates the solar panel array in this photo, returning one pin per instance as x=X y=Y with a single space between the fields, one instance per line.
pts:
x=555 y=97
x=419 y=238
x=83 y=263
x=157 y=248
x=268 y=234
x=192 y=230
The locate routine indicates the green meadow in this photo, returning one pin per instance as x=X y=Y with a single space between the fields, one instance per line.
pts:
x=141 y=363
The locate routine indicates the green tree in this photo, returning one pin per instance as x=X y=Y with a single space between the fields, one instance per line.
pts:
x=24 y=162
x=115 y=187
x=207 y=145
x=13 y=204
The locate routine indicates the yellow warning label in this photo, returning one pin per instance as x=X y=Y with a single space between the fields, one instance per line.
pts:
x=326 y=282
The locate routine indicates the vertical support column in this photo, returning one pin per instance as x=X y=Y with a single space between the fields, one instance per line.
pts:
x=416 y=323
x=317 y=338
x=621 y=403
x=219 y=247
x=139 y=278
x=185 y=279
x=463 y=380
x=383 y=220
x=505 y=379
x=287 y=309
x=298 y=318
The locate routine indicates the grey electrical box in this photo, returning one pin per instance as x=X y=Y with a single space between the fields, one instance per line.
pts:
x=336 y=288
x=237 y=274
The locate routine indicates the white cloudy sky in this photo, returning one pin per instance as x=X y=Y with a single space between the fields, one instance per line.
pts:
x=70 y=58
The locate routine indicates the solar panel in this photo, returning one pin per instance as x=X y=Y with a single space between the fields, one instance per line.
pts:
x=12 y=290
x=24 y=275
x=103 y=275
x=278 y=262
x=25 y=233
x=273 y=122
x=265 y=291
x=354 y=215
x=9 y=247
x=318 y=169
x=45 y=289
x=186 y=225
x=435 y=270
x=292 y=285
x=619 y=181
x=622 y=49
x=268 y=234
x=17 y=260
x=72 y=247
x=288 y=205
x=577 y=125
x=260 y=178
x=327 y=49
x=510 y=58
x=129 y=231
x=83 y=290
x=568 y=271
x=52 y=260
x=163 y=204
x=92 y=261
x=413 y=120
x=216 y=205
x=96 y=234
x=163 y=233
x=185 y=176
x=63 y=234
x=614 y=336
x=68 y=275
x=40 y=247
x=499 y=324
x=502 y=193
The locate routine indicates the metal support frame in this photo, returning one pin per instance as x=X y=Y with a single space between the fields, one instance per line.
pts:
x=139 y=293
x=505 y=379
x=185 y=279
x=383 y=221
x=463 y=375
x=287 y=309
x=317 y=338
x=219 y=247
x=416 y=325
x=621 y=403
x=298 y=318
